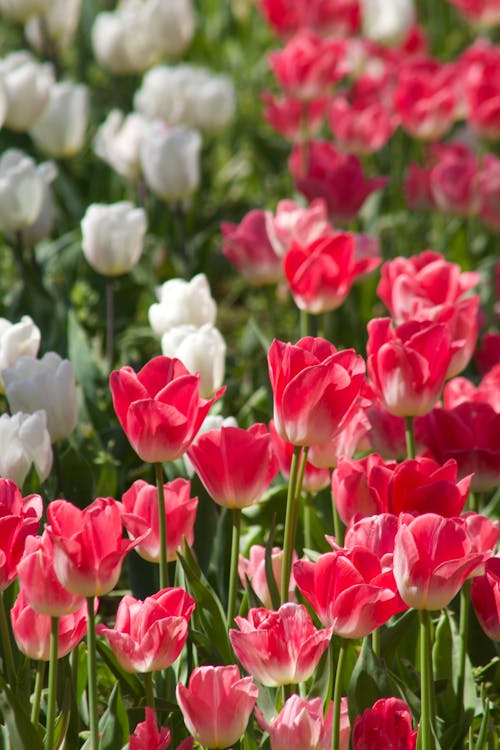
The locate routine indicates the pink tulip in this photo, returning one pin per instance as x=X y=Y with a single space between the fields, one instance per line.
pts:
x=149 y=635
x=349 y=590
x=248 y=246
x=32 y=630
x=140 y=503
x=485 y=595
x=255 y=570
x=360 y=488
x=88 y=545
x=147 y=736
x=460 y=390
x=216 y=704
x=293 y=222
x=235 y=465
x=19 y=519
x=314 y=479
x=279 y=648
x=488 y=352
x=433 y=556
x=38 y=580
x=159 y=408
x=315 y=388
x=376 y=533
x=386 y=724
x=293 y=118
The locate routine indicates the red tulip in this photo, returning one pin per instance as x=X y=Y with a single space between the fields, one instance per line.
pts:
x=352 y=438
x=314 y=479
x=149 y=635
x=255 y=570
x=247 y=245
x=159 y=407
x=147 y=736
x=279 y=647
x=408 y=365
x=19 y=519
x=32 y=630
x=315 y=388
x=489 y=192
x=88 y=545
x=376 y=533
x=360 y=488
x=38 y=580
x=140 y=503
x=422 y=486
x=488 y=352
x=235 y=465
x=433 y=556
x=216 y=704
x=485 y=595
x=293 y=222
x=294 y=119
x=388 y=723
x=454 y=179
x=349 y=590
x=335 y=17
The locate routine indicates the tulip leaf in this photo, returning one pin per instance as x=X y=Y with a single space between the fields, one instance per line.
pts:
x=19 y=730
x=114 y=731
x=370 y=680
x=130 y=683
x=253 y=599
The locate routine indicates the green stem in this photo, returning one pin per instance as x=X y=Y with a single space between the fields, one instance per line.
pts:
x=464 y=632
x=149 y=689
x=233 y=573
x=425 y=727
x=338 y=526
x=7 y=643
x=110 y=320
x=308 y=521
x=298 y=493
x=303 y=323
x=410 y=437
x=376 y=642
x=92 y=675
x=289 y=538
x=331 y=672
x=74 y=664
x=162 y=523
x=37 y=693
x=337 y=694
x=51 y=708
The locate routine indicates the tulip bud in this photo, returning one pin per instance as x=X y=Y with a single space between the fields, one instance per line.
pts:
x=16 y=340
x=118 y=140
x=26 y=441
x=22 y=189
x=170 y=160
x=113 y=236
x=182 y=303
x=47 y=383
x=201 y=350
x=27 y=84
x=60 y=131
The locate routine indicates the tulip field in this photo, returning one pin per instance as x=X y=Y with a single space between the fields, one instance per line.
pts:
x=250 y=374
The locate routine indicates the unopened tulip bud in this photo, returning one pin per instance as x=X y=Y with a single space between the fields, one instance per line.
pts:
x=60 y=131
x=113 y=236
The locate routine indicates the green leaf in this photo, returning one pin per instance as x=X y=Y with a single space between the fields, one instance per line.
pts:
x=370 y=680
x=114 y=729
x=130 y=683
x=18 y=727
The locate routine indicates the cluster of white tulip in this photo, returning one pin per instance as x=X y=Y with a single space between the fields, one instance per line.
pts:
x=184 y=318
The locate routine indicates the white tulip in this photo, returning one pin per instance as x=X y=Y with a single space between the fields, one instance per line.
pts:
x=118 y=142
x=113 y=236
x=17 y=340
x=25 y=441
x=47 y=383
x=44 y=222
x=126 y=40
x=200 y=350
x=387 y=21
x=58 y=24
x=174 y=25
x=21 y=10
x=22 y=189
x=60 y=131
x=182 y=303
x=27 y=85
x=170 y=160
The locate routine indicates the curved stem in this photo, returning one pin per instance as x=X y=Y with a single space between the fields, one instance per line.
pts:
x=51 y=708
x=410 y=437
x=149 y=689
x=92 y=675
x=37 y=693
x=233 y=573
x=425 y=727
x=289 y=538
x=6 y=643
x=162 y=523
x=337 y=694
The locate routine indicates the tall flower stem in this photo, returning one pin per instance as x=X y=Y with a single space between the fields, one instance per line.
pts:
x=464 y=632
x=92 y=675
x=37 y=693
x=149 y=689
x=6 y=643
x=410 y=437
x=110 y=320
x=425 y=727
x=298 y=492
x=51 y=708
x=337 y=694
x=233 y=573
x=289 y=541
x=376 y=642
x=162 y=521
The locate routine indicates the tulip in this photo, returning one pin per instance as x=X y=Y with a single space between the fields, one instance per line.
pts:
x=376 y=533
x=125 y=41
x=60 y=22
x=60 y=131
x=248 y=246
x=39 y=583
x=422 y=486
x=488 y=352
x=174 y=25
x=408 y=365
x=388 y=723
x=293 y=222
x=254 y=568
x=201 y=350
x=140 y=503
x=88 y=545
x=364 y=122
x=19 y=519
x=314 y=388
x=324 y=16
x=170 y=159
x=485 y=595
x=489 y=191
x=279 y=648
x=32 y=630
x=314 y=479
x=432 y=558
x=149 y=635
x=159 y=408
x=47 y=383
x=22 y=189
x=294 y=119
x=460 y=390
x=360 y=488
x=235 y=465
x=483 y=532
x=351 y=439
x=387 y=22
x=183 y=303
x=216 y=704
x=481 y=13
x=113 y=236
x=118 y=141
x=454 y=180
x=147 y=736
x=16 y=340
x=27 y=84
x=211 y=422
x=26 y=442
